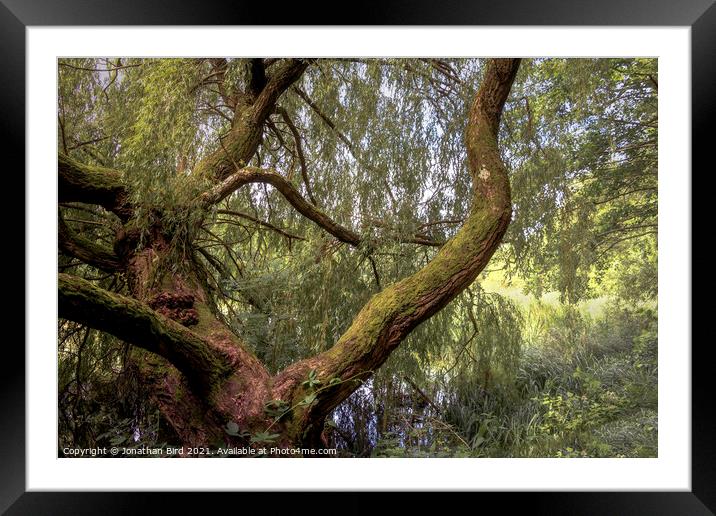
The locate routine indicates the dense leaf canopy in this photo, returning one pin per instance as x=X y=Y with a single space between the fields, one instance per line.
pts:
x=377 y=146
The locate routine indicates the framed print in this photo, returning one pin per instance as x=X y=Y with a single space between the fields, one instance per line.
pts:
x=269 y=239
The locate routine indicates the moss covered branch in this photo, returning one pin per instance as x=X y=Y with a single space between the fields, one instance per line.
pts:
x=251 y=111
x=286 y=74
x=86 y=250
x=78 y=182
x=393 y=313
x=248 y=175
x=136 y=323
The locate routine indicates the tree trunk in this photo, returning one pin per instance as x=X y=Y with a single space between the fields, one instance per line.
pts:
x=203 y=376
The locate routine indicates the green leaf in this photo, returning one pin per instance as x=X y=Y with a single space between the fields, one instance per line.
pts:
x=308 y=399
x=276 y=408
x=312 y=381
x=232 y=428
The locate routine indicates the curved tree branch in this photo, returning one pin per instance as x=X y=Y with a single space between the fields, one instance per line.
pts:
x=136 y=323
x=257 y=175
x=393 y=313
x=248 y=175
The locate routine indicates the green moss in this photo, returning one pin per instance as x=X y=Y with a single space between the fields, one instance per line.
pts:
x=207 y=321
x=88 y=176
x=134 y=322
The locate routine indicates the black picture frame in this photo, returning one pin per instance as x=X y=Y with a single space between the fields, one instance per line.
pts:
x=16 y=15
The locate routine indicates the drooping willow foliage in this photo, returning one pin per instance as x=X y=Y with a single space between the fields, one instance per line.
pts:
x=583 y=143
x=378 y=145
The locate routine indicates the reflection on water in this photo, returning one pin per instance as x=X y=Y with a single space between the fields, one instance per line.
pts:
x=394 y=417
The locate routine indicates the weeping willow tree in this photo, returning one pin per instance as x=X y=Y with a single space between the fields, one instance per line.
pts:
x=583 y=149
x=250 y=240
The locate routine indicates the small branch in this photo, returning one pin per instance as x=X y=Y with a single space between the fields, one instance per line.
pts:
x=219 y=67
x=375 y=272
x=421 y=393
x=261 y=223
x=343 y=138
x=417 y=238
x=438 y=222
x=618 y=241
x=88 y=142
x=299 y=152
x=626 y=228
x=112 y=69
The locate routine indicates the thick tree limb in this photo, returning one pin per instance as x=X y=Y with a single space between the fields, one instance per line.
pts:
x=240 y=144
x=86 y=250
x=136 y=323
x=90 y=184
x=393 y=313
x=281 y=79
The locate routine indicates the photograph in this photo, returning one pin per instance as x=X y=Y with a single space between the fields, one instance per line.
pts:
x=357 y=257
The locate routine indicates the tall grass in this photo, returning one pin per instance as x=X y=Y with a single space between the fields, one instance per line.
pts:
x=584 y=386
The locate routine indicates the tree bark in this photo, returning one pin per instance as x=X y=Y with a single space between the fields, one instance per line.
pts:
x=86 y=250
x=393 y=313
x=252 y=109
x=78 y=182
x=204 y=375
